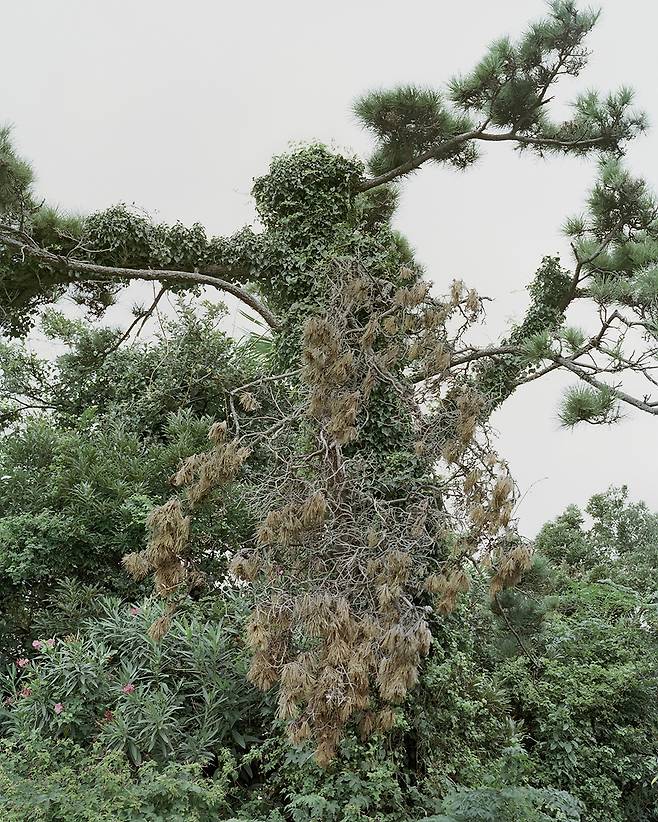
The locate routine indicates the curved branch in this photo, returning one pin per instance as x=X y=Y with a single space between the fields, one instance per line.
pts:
x=465 y=357
x=477 y=134
x=556 y=362
x=416 y=162
x=105 y=272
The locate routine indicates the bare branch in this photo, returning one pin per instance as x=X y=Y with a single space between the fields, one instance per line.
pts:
x=141 y=317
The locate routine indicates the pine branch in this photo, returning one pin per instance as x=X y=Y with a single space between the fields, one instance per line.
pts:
x=557 y=361
x=479 y=134
x=416 y=162
x=622 y=396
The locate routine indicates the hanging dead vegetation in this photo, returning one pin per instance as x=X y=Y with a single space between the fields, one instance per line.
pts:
x=348 y=566
x=167 y=555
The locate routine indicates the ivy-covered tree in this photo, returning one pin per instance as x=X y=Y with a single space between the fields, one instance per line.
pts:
x=316 y=206
x=373 y=489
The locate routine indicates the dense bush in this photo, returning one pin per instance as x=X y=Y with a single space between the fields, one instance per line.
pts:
x=541 y=708
x=585 y=682
x=45 y=781
x=78 y=482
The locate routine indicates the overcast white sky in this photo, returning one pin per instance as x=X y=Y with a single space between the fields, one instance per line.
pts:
x=176 y=106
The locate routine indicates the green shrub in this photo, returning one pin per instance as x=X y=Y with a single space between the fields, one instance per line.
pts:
x=58 y=781
x=178 y=699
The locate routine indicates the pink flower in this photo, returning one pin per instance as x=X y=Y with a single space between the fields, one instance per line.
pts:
x=37 y=644
x=108 y=716
x=50 y=643
x=26 y=691
x=22 y=662
x=135 y=611
x=129 y=688
x=58 y=708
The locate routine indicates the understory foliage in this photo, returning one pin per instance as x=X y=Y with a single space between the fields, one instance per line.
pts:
x=538 y=705
x=534 y=704
x=89 y=442
x=279 y=577
x=90 y=786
